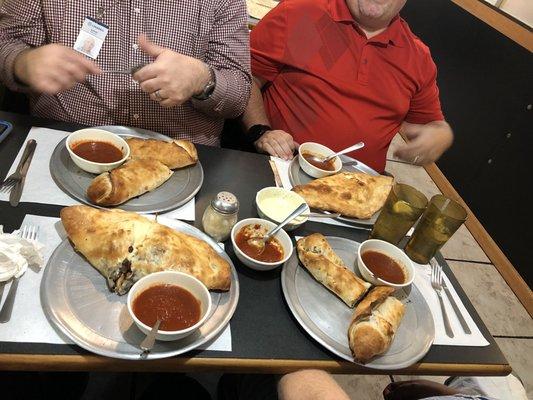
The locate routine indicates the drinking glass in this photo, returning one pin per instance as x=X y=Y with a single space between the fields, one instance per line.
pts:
x=443 y=216
x=401 y=210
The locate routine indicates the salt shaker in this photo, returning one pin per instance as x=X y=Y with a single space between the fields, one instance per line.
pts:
x=220 y=216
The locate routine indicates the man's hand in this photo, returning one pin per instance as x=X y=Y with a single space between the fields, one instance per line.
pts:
x=277 y=143
x=53 y=68
x=417 y=389
x=426 y=142
x=172 y=78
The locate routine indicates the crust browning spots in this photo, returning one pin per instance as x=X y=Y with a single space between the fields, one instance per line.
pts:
x=346 y=195
x=324 y=189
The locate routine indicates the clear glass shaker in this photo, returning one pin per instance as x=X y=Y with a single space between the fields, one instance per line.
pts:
x=220 y=216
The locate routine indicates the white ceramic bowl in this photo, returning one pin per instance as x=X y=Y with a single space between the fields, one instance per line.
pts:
x=185 y=281
x=320 y=150
x=390 y=250
x=282 y=236
x=275 y=204
x=98 y=135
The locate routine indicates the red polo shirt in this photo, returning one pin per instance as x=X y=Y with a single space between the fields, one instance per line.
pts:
x=328 y=83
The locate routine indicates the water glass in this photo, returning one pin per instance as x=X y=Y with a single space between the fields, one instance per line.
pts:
x=443 y=216
x=403 y=207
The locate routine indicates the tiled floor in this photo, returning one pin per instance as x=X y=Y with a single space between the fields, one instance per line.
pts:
x=519 y=353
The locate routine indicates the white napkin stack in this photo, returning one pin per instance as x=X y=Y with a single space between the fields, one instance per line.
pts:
x=423 y=283
x=17 y=254
x=40 y=186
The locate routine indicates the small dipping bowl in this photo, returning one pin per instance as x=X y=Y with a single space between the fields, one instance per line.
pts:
x=393 y=252
x=185 y=281
x=275 y=204
x=252 y=263
x=99 y=135
x=319 y=150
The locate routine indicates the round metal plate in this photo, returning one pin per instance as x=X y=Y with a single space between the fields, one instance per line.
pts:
x=178 y=190
x=297 y=176
x=326 y=318
x=76 y=299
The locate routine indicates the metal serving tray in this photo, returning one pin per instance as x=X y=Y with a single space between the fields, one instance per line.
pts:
x=297 y=176
x=178 y=190
x=327 y=318
x=77 y=301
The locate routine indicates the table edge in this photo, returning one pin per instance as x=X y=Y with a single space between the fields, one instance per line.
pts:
x=25 y=362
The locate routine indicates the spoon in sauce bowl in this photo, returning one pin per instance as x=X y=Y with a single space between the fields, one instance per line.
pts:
x=259 y=242
x=148 y=343
x=356 y=146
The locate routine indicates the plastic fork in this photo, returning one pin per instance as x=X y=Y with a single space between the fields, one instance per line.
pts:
x=28 y=232
x=436 y=283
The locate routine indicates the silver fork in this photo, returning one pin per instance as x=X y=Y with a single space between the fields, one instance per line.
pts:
x=436 y=283
x=28 y=232
x=16 y=176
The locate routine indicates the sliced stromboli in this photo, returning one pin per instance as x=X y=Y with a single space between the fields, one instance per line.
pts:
x=135 y=177
x=320 y=260
x=174 y=154
x=125 y=246
x=374 y=324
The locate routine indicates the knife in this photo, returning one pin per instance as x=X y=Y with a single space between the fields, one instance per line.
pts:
x=456 y=309
x=16 y=192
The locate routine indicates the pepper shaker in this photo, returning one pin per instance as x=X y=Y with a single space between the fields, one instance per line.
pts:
x=220 y=216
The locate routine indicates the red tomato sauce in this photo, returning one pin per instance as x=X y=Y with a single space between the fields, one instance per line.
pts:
x=100 y=152
x=176 y=307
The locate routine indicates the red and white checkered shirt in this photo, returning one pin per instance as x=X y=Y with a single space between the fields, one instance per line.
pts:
x=213 y=31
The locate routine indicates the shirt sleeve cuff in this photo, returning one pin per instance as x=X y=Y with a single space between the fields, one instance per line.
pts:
x=215 y=102
x=10 y=79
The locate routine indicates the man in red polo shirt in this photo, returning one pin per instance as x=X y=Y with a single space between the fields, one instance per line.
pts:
x=342 y=71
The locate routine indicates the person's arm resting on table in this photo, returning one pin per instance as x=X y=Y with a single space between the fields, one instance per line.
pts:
x=27 y=62
x=428 y=134
x=267 y=47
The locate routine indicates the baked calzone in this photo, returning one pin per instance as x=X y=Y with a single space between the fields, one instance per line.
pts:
x=126 y=246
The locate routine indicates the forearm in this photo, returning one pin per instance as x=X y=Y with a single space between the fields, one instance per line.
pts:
x=21 y=28
x=440 y=128
x=255 y=111
x=310 y=385
x=229 y=56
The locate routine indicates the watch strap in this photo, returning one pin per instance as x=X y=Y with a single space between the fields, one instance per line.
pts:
x=209 y=87
x=255 y=132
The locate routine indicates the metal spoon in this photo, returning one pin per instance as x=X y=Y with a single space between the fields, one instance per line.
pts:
x=148 y=343
x=260 y=242
x=320 y=215
x=356 y=146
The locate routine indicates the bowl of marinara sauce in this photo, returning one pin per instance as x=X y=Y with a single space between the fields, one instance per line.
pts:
x=96 y=150
x=179 y=300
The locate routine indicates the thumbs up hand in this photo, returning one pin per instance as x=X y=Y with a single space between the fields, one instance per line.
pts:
x=172 y=78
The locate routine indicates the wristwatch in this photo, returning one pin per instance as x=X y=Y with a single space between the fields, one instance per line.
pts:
x=209 y=87
x=255 y=132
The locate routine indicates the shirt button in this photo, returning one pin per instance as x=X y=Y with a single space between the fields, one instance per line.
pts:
x=365 y=61
x=137 y=10
x=136 y=116
x=135 y=46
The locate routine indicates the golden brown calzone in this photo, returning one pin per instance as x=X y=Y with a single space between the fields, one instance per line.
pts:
x=131 y=179
x=353 y=194
x=174 y=154
x=320 y=260
x=126 y=246
x=374 y=323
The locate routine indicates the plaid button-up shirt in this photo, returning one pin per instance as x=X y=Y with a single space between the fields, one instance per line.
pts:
x=214 y=31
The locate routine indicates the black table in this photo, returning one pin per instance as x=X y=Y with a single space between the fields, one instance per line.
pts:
x=265 y=336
